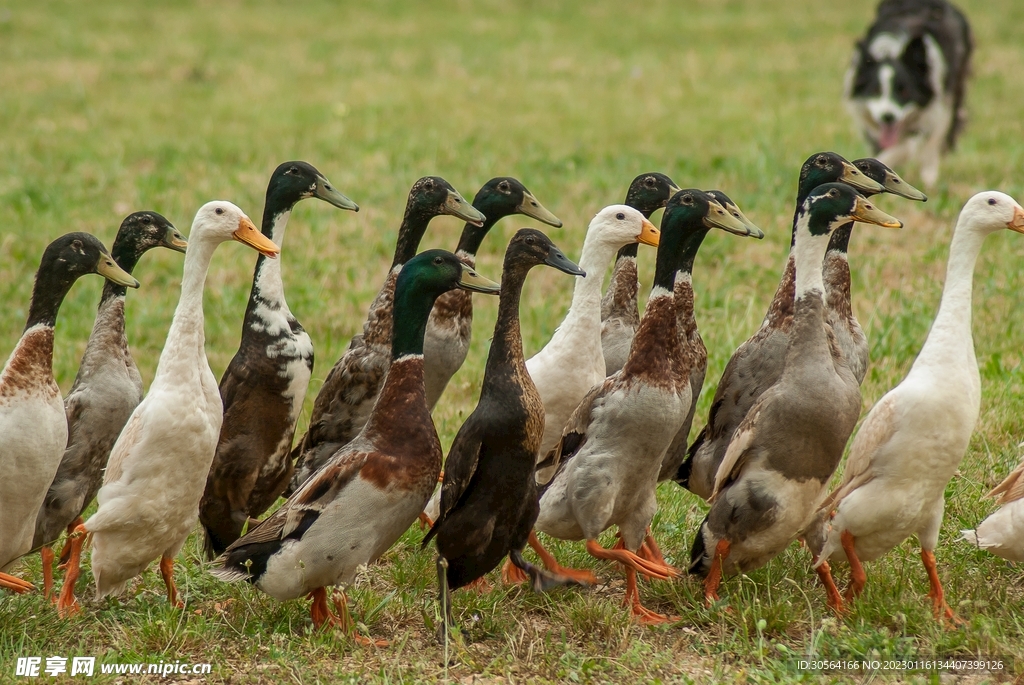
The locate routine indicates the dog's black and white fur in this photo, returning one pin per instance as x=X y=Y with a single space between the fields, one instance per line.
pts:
x=905 y=85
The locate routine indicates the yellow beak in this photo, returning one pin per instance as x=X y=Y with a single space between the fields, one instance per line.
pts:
x=649 y=235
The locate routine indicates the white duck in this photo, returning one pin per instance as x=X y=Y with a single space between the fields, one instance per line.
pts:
x=914 y=438
x=32 y=420
x=149 y=501
x=572 y=362
x=1002 y=533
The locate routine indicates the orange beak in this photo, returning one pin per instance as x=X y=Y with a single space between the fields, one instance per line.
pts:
x=1017 y=222
x=649 y=235
x=246 y=233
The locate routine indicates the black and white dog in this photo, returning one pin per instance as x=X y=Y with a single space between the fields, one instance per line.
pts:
x=905 y=85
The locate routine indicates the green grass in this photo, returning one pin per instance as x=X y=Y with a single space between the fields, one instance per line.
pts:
x=108 y=108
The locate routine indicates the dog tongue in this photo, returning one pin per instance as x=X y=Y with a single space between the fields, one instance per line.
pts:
x=890 y=135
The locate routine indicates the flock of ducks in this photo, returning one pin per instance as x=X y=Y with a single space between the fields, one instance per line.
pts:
x=568 y=443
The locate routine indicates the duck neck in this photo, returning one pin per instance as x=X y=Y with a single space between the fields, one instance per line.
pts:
x=127 y=256
x=48 y=293
x=186 y=336
x=507 y=344
x=410 y=233
x=411 y=310
x=472 y=236
x=808 y=254
x=950 y=340
x=267 y=284
x=586 y=295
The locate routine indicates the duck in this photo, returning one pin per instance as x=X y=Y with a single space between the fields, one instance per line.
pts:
x=106 y=390
x=1002 y=533
x=346 y=398
x=149 y=500
x=489 y=493
x=836 y=269
x=32 y=420
x=756 y=364
x=450 y=327
x=611 y=448
x=620 y=313
x=265 y=383
x=785 y=451
x=323 y=534
x=693 y=344
x=914 y=438
x=572 y=362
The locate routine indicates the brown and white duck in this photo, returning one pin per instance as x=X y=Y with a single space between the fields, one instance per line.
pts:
x=693 y=345
x=32 y=419
x=106 y=391
x=450 y=327
x=346 y=398
x=368 y=492
x=785 y=451
x=265 y=383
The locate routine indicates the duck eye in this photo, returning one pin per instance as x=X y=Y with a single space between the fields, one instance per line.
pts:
x=649 y=182
x=992 y=201
x=832 y=193
x=146 y=220
x=219 y=210
x=438 y=261
x=620 y=216
x=503 y=186
x=530 y=240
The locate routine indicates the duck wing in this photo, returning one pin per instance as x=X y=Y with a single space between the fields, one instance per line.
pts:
x=574 y=434
x=459 y=468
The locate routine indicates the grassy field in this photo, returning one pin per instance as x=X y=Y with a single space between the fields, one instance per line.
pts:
x=107 y=108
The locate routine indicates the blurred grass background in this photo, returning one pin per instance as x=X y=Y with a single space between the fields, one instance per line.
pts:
x=108 y=108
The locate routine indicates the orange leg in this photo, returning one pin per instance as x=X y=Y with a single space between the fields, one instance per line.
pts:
x=47 y=555
x=480 y=586
x=345 y=622
x=15 y=584
x=714 y=578
x=167 y=571
x=581 y=576
x=512 y=574
x=425 y=522
x=649 y=551
x=631 y=560
x=639 y=611
x=67 y=604
x=857 y=576
x=835 y=602
x=65 y=551
x=318 y=610
x=937 y=594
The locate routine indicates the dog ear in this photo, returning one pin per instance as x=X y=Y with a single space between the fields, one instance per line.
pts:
x=915 y=59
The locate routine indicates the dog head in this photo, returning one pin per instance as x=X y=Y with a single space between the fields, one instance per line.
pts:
x=892 y=78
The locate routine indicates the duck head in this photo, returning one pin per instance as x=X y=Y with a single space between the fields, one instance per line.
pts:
x=432 y=196
x=530 y=247
x=141 y=232
x=295 y=181
x=65 y=260
x=219 y=221
x=504 y=196
x=619 y=225
x=734 y=210
x=829 y=167
x=422 y=280
x=888 y=179
x=650 y=192
x=991 y=211
x=831 y=205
